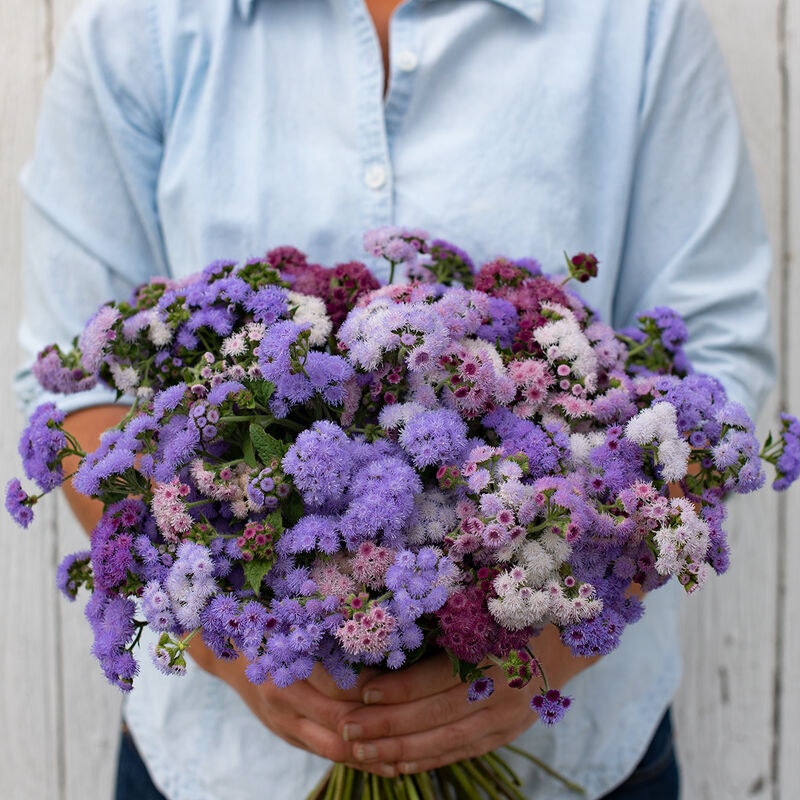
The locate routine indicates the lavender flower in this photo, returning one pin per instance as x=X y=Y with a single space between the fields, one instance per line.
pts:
x=480 y=689
x=551 y=706
x=73 y=572
x=19 y=503
x=434 y=437
x=320 y=463
x=56 y=373
x=41 y=444
x=96 y=336
x=788 y=464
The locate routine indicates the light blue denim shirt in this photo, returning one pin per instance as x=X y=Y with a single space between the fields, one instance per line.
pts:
x=175 y=132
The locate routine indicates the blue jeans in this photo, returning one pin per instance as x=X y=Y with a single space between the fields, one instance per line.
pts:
x=655 y=778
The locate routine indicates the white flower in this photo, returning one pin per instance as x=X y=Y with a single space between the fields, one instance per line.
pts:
x=435 y=517
x=125 y=378
x=563 y=339
x=673 y=455
x=393 y=417
x=581 y=444
x=159 y=331
x=539 y=564
x=555 y=544
x=659 y=422
x=683 y=542
x=311 y=310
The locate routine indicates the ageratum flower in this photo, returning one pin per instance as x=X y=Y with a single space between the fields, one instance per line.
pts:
x=18 y=503
x=41 y=445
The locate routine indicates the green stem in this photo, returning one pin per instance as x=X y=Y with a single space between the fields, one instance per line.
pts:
x=547 y=768
x=425 y=785
x=410 y=787
x=318 y=792
x=499 y=766
x=349 y=779
x=488 y=787
x=461 y=779
x=506 y=782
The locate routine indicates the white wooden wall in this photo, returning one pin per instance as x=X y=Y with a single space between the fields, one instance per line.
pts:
x=739 y=710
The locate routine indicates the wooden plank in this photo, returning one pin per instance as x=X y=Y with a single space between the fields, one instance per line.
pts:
x=725 y=708
x=789 y=684
x=30 y=759
x=91 y=706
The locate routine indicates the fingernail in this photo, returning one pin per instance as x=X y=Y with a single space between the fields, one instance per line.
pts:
x=365 y=752
x=351 y=732
x=387 y=770
x=407 y=767
x=373 y=696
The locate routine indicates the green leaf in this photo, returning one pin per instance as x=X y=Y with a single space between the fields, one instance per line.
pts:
x=267 y=447
x=292 y=508
x=254 y=572
x=249 y=453
x=262 y=391
x=275 y=520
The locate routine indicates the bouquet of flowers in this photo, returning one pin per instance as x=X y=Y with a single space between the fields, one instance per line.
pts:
x=319 y=469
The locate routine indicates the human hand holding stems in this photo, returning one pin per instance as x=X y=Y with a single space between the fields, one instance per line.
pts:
x=396 y=723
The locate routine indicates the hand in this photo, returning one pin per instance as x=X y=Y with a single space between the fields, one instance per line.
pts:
x=308 y=714
x=419 y=718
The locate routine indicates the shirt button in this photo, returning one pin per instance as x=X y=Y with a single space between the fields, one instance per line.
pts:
x=375 y=176
x=407 y=61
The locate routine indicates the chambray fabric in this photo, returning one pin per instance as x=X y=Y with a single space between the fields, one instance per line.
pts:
x=175 y=132
x=656 y=776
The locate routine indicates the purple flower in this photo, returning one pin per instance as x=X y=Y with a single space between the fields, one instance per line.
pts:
x=157 y=608
x=41 y=445
x=672 y=327
x=113 y=544
x=168 y=399
x=320 y=463
x=551 y=706
x=112 y=621
x=502 y=324
x=397 y=245
x=383 y=501
x=18 y=503
x=221 y=392
x=96 y=337
x=312 y=531
x=328 y=375
x=178 y=442
x=433 y=438
x=268 y=304
x=73 y=572
x=525 y=436
x=57 y=374
x=480 y=689
x=788 y=464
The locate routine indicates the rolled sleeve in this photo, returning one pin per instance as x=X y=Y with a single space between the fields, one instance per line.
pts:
x=695 y=236
x=91 y=229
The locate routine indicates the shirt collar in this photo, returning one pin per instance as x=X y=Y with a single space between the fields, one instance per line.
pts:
x=532 y=9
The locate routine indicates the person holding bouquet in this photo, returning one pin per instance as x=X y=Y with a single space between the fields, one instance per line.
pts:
x=174 y=133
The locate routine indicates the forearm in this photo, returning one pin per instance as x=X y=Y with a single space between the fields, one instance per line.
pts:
x=86 y=426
